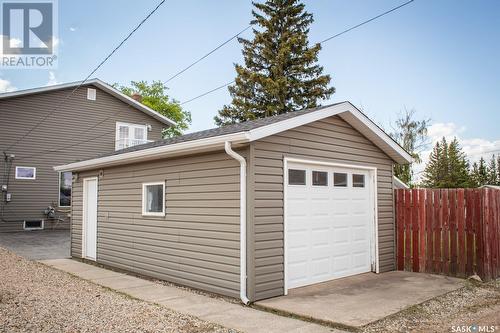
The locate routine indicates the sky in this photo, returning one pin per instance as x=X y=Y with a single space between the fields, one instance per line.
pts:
x=441 y=57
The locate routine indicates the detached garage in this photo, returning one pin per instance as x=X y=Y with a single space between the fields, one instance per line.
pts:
x=249 y=210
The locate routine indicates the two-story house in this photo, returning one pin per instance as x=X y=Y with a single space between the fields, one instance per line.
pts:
x=44 y=127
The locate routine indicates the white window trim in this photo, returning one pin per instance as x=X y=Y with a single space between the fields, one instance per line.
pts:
x=59 y=191
x=129 y=125
x=26 y=167
x=144 y=213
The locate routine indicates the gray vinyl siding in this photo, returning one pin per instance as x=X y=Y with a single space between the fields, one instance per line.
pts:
x=69 y=125
x=197 y=242
x=331 y=140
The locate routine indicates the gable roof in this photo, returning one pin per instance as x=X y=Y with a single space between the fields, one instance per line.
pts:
x=97 y=83
x=247 y=132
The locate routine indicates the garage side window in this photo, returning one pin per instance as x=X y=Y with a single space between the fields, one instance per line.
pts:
x=320 y=178
x=358 y=180
x=340 y=179
x=153 y=199
x=296 y=177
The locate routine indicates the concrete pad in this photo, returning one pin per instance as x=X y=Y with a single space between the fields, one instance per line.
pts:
x=250 y=320
x=154 y=293
x=199 y=305
x=122 y=281
x=362 y=299
x=36 y=245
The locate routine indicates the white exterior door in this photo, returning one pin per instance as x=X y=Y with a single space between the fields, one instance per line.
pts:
x=89 y=246
x=329 y=223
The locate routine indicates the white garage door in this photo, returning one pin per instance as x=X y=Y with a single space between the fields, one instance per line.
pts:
x=329 y=223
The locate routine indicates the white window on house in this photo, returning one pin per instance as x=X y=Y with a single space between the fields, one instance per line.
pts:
x=25 y=172
x=153 y=199
x=65 y=184
x=128 y=135
x=91 y=94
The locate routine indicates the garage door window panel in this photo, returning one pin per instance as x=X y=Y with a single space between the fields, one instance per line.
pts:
x=340 y=179
x=296 y=177
x=358 y=180
x=320 y=178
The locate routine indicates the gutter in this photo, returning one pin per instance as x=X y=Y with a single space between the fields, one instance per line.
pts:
x=243 y=220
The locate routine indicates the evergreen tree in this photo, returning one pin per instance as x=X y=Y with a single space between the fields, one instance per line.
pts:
x=498 y=169
x=447 y=167
x=493 y=172
x=479 y=174
x=433 y=172
x=458 y=167
x=280 y=72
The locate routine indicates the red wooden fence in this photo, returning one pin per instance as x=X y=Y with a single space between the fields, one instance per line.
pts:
x=453 y=232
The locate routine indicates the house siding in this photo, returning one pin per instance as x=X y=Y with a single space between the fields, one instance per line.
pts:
x=197 y=242
x=331 y=140
x=70 y=124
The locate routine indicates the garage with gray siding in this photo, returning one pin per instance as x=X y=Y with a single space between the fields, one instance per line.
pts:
x=198 y=241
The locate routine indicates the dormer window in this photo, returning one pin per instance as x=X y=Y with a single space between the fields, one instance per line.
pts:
x=128 y=135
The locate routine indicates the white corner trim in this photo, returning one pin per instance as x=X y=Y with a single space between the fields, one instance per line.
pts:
x=243 y=220
x=144 y=212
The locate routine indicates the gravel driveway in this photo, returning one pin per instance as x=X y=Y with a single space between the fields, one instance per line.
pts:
x=37 y=298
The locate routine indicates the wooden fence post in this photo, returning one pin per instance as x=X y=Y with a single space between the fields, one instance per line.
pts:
x=429 y=218
x=469 y=226
x=408 y=230
x=400 y=225
x=453 y=231
x=437 y=232
x=421 y=228
x=461 y=232
x=415 y=226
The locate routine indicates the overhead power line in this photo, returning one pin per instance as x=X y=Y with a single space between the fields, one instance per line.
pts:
x=208 y=92
x=61 y=103
x=365 y=22
x=206 y=55
x=323 y=41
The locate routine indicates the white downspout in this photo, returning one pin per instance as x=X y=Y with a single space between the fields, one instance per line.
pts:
x=243 y=220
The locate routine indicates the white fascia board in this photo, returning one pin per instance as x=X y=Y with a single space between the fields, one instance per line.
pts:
x=101 y=84
x=156 y=152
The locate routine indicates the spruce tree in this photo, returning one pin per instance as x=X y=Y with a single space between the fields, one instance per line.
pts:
x=492 y=171
x=280 y=73
x=447 y=167
x=458 y=167
x=479 y=174
x=498 y=169
x=433 y=169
